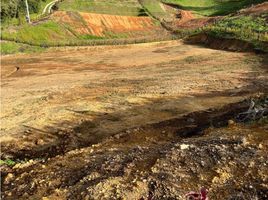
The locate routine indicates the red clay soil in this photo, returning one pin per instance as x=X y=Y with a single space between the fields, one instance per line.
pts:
x=100 y=24
x=188 y=21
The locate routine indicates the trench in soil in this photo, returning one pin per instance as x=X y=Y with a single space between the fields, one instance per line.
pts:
x=170 y=130
x=137 y=150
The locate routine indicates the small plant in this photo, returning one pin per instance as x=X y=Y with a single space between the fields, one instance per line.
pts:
x=8 y=162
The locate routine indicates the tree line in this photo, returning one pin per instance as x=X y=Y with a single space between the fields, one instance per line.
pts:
x=16 y=8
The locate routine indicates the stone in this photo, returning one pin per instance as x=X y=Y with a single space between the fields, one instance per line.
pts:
x=184 y=146
x=10 y=177
x=231 y=122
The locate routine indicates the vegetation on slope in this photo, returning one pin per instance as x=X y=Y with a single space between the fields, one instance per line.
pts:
x=113 y=7
x=154 y=9
x=74 y=28
x=243 y=27
x=13 y=47
x=246 y=28
x=213 y=7
x=16 y=9
x=42 y=33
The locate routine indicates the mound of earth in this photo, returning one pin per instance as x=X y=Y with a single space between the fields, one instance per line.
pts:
x=187 y=20
x=106 y=25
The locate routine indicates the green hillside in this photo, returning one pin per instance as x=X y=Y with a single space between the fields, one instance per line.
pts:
x=213 y=7
x=113 y=7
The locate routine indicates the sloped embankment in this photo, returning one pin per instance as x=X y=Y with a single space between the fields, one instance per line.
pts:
x=230 y=44
x=107 y=25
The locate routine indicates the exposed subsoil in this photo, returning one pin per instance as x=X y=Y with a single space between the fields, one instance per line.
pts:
x=230 y=44
x=130 y=121
x=108 y=25
x=183 y=19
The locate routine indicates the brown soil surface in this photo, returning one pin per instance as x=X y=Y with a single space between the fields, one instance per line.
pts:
x=110 y=122
x=186 y=19
x=103 y=25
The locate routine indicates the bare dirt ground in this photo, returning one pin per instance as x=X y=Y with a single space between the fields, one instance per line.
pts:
x=186 y=19
x=115 y=122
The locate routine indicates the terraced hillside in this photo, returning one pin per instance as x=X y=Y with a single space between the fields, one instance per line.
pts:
x=75 y=25
x=108 y=26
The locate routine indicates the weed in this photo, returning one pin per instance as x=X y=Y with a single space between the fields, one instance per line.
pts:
x=8 y=162
x=12 y=47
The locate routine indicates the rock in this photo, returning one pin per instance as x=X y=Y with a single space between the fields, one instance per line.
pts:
x=231 y=122
x=191 y=120
x=184 y=146
x=10 y=177
x=117 y=136
x=245 y=142
x=260 y=146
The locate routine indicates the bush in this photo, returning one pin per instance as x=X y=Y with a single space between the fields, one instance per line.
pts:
x=15 y=8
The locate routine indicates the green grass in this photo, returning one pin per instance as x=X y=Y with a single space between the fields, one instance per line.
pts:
x=154 y=9
x=113 y=7
x=213 y=7
x=12 y=48
x=247 y=28
x=90 y=37
x=41 y=33
x=242 y=27
x=8 y=162
x=45 y=33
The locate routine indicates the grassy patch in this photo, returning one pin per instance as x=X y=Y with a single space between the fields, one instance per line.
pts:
x=8 y=162
x=90 y=37
x=213 y=7
x=38 y=34
x=113 y=7
x=247 y=24
x=247 y=28
x=154 y=9
x=12 y=48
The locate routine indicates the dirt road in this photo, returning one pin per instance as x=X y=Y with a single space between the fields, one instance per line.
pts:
x=48 y=7
x=69 y=103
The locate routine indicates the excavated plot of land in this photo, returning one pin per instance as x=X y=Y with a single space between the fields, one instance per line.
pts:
x=101 y=24
x=75 y=97
x=117 y=88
